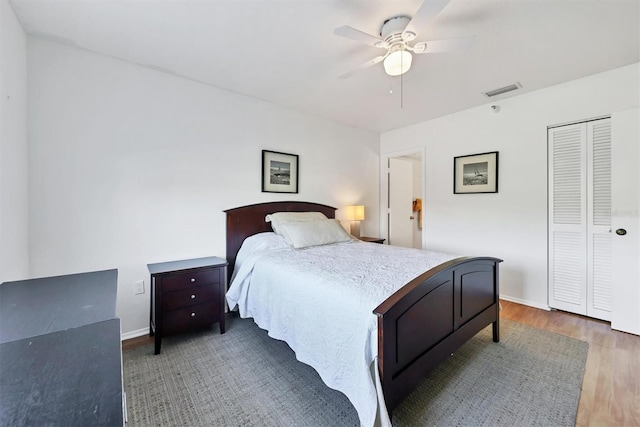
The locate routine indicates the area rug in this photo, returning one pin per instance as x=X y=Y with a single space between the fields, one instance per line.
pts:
x=245 y=378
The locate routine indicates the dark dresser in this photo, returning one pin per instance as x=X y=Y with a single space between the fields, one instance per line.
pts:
x=60 y=351
x=186 y=295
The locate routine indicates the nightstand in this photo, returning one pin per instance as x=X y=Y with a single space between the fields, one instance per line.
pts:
x=186 y=295
x=372 y=239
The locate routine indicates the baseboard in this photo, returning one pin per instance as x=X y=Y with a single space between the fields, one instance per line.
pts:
x=134 y=334
x=525 y=302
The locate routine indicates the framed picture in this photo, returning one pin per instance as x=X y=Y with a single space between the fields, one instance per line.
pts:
x=279 y=172
x=476 y=173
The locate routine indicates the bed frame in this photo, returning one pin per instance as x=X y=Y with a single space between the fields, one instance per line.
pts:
x=422 y=323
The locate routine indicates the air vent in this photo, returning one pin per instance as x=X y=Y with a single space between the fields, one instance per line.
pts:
x=502 y=90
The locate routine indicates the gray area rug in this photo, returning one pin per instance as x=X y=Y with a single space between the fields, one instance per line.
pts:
x=244 y=378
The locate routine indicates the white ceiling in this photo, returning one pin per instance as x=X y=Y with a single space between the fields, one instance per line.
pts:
x=285 y=51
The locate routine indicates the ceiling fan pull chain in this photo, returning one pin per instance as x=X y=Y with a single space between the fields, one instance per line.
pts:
x=401 y=86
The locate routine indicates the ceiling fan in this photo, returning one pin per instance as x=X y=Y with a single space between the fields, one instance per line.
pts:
x=395 y=36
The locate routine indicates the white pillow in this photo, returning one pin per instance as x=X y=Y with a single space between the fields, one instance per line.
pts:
x=303 y=234
x=285 y=217
x=262 y=242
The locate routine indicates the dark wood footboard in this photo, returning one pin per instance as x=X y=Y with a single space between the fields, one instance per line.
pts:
x=425 y=321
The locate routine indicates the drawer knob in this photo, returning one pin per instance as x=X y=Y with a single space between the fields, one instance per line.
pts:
x=193 y=279
x=193 y=315
x=193 y=297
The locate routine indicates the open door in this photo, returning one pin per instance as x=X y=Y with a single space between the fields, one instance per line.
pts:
x=625 y=221
x=404 y=189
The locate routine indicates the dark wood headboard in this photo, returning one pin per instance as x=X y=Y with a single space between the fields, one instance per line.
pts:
x=248 y=220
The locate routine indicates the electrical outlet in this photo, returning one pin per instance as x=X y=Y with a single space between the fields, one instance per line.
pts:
x=138 y=287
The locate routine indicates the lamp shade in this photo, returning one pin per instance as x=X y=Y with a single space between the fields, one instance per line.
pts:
x=397 y=63
x=355 y=213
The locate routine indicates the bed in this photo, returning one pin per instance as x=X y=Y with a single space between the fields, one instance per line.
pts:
x=423 y=321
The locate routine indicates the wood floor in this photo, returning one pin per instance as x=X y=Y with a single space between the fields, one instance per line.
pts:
x=611 y=386
x=136 y=342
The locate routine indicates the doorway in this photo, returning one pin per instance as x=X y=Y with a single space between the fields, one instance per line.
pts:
x=402 y=186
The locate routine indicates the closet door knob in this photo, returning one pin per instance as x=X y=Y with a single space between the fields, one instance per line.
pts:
x=621 y=231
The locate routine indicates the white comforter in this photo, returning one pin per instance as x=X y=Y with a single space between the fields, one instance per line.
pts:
x=320 y=300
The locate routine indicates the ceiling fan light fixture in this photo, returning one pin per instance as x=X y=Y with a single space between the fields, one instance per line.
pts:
x=397 y=63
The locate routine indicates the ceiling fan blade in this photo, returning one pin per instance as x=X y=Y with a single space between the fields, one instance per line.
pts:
x=425 y=14
x=445 y=45
x=359 y=36
x=367 y=64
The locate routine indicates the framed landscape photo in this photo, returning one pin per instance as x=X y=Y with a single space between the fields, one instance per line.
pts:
x=279 y=172
x=476 y=173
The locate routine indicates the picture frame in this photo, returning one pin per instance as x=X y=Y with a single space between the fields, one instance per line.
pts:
x=475 y=173
x=279 y=172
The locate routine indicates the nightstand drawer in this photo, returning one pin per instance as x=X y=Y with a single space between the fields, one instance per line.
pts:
x=190 y=297
x=190 y=280
x=190 y=317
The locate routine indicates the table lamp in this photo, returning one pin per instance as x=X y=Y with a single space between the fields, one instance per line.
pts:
x=355 y=214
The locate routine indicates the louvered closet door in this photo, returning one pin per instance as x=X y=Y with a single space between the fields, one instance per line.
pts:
x=580 y=218
x=567 y=219
x=599 y=219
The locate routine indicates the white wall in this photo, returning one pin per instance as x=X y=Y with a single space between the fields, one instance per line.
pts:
x=130 y=166
x=511 y=224
x=14 y=261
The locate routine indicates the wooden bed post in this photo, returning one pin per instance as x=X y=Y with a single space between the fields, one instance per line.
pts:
x=496 y=324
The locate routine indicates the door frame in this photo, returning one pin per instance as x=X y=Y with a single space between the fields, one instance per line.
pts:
x=384 y=187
